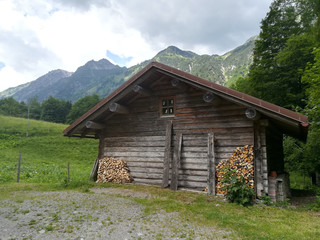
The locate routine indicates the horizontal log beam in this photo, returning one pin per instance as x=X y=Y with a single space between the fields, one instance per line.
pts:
x=118 y=108
x=141 y=90
x=94 y=125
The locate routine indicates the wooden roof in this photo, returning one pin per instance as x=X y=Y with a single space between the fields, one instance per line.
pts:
x=290 y=122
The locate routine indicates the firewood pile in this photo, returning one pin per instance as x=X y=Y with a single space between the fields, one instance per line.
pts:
x=113 y=170
x=241 y=161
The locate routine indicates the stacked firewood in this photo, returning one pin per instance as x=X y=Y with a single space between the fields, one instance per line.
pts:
x=241 y=161
x=113 y=170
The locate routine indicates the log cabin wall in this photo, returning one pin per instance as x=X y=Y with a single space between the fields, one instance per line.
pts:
x=139 y=137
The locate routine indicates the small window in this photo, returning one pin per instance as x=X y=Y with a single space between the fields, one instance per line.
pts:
x=167 y=106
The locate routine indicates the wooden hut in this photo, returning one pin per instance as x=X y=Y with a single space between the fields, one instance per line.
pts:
x=173 y=128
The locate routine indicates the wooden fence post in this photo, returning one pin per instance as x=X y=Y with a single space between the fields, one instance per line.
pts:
x=19 y=163
x=68 y=172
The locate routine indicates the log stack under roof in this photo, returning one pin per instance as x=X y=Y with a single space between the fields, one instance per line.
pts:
x=241 y=161
x=113 y=170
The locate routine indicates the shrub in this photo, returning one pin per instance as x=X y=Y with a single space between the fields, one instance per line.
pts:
x=266 y=200
x=237 y=189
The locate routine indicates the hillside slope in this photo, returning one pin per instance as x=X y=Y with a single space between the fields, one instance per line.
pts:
x=45 y=153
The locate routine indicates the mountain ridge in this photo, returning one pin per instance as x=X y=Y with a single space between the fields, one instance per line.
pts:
x=102 y=77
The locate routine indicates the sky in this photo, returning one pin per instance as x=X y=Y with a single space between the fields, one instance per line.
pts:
x=37 y=36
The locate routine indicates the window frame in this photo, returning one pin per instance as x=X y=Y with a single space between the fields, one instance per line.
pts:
x=167 y=98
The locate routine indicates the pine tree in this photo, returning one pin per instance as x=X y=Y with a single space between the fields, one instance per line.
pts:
x=275 y=74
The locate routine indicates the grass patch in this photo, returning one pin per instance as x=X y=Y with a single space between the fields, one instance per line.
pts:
x=32 y=222
x=49 y=228
x=298 y=181
x=45 y=153
x=253 y=222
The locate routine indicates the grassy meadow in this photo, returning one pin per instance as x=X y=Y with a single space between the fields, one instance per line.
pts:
x=44 y=153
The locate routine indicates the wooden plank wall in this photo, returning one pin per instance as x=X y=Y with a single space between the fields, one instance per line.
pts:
x=139 y=137
x=144 y=156
x=196 y=119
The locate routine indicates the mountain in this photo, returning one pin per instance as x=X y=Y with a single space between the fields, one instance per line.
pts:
x=236 y=63
x=102 y=77
x=223 y=70
x=95 y=77
x=39 y=87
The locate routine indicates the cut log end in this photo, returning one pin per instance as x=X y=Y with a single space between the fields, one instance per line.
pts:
x=252 y=114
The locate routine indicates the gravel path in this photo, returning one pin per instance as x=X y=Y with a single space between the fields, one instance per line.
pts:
x=101 y=214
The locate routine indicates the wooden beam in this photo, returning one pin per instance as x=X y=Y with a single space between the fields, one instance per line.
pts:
x=167 y=156
x=176 y=164
x=252 y=114
x=94 y=171
x=94 y=125
x=118 y=108
x=101 y=144
x=258 y=178
x=178 y=84
x=211 y=183
x=141 y=90
x=84 y=133
x=265 y=123
x=79 y=136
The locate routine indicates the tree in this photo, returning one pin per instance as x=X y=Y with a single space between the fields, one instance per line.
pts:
x=291 y=63
x=11 y=107
x=82 y=106
x=34 y=108
x=312 y=78
x=285 y=71
x=55 y=110
x=275 y=74
x=300 y=157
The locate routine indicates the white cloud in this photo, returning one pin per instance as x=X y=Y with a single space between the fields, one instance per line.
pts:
x=37 y=36
x=9 y=77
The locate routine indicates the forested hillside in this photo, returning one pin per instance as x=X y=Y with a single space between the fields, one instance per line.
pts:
x=51 y=110
x=286 y=71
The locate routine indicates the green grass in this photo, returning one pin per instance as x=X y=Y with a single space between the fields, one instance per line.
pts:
x=298 y=181
x=45 y=153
